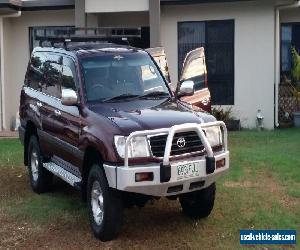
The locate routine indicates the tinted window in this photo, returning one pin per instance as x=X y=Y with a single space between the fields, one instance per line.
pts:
x=286 y=44
x=290 y=37
x=191 y=35
x=217 y=37
x=68 y=74
x=52 y=76
x=34 y=73
x=220 y=61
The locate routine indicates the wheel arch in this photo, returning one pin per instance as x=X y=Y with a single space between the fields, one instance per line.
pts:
x=91 y=156
x=29 y=130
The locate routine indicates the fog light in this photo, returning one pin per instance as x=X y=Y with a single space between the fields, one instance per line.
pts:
x=139 y=177
x=220 y=163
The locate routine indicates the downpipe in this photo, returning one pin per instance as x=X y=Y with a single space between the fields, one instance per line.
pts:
x=2 y=101
x=278 y=8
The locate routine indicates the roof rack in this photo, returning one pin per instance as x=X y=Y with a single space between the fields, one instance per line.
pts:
x=65 y=39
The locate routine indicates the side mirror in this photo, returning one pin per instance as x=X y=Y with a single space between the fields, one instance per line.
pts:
x=187 y=88
x=69 y=97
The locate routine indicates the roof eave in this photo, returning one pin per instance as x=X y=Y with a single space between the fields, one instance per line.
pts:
x=47 y=5
x=185 y=2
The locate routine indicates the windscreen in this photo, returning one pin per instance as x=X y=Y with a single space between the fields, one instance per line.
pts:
x=111 y=75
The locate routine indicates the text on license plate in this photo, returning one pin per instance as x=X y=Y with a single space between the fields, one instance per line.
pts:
x=188 y=170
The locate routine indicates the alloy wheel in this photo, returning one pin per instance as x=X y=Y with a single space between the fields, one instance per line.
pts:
x=97 y=203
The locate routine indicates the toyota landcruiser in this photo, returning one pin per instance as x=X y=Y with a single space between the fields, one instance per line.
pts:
x=102 y=117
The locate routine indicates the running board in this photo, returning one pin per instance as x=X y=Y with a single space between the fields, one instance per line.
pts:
x=63 y=174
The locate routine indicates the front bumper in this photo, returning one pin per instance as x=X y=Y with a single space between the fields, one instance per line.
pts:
x=165 y=181
x=123 y=178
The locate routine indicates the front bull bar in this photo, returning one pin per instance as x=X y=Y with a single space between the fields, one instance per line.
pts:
x=198 y=128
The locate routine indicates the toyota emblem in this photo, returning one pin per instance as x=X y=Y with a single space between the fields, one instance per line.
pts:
x=181 y=142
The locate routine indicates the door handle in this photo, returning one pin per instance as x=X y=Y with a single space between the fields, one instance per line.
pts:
x=39 y=104
x=57 y=112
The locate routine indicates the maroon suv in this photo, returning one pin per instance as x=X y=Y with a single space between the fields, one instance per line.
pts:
x=103 y=118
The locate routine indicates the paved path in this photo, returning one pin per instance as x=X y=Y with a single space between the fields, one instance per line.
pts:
x=9 y=134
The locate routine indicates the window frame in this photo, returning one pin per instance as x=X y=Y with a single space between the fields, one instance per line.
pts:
x=75 y=72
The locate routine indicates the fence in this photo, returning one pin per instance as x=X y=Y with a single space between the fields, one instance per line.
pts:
x=287 y=103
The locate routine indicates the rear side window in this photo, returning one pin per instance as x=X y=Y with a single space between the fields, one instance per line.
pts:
x=34 y=72
x=52 y=75
x=68 y=74
x=44 y=73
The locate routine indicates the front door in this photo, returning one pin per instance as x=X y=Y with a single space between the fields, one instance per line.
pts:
x=50 y=92
x=194 y=68
x=66 y=122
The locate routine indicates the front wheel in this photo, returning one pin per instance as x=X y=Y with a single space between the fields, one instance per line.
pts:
x=198 y=204
x=104 y=205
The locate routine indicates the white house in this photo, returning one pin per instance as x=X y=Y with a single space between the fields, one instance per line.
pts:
x=247 y=43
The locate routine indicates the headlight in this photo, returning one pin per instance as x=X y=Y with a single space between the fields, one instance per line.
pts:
x=214 y=136
x=138 y=147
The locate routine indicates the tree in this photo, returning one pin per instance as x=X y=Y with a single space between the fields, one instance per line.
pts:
x=296 y=65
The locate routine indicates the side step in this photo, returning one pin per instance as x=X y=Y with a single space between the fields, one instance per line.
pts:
x=63 y=174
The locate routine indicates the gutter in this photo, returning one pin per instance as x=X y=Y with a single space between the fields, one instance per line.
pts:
x=33 y=5
x=2 y=79
x=295 y=4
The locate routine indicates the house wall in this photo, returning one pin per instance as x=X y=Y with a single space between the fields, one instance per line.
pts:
x=16 y=52
x=254 y=52
x=97 y=6
x=91 y=20
x=290 y=15
x=124 y=19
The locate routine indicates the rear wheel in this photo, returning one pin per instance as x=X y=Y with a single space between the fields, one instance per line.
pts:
x=198 y=204
x=40 y=178
x=104 y=205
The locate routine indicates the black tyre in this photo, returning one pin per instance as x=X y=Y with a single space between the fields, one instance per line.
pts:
x=40 y=178
x=198 y=204
x=104 y=205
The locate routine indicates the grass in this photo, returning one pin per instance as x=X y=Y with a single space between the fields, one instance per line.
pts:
x=44 y=208
x=275 y=151
x=11 y=152
x=261 y=191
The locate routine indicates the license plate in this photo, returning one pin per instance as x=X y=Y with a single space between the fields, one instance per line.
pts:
x=188 y=170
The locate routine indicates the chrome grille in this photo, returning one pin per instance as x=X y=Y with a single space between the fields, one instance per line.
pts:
x=192 y=144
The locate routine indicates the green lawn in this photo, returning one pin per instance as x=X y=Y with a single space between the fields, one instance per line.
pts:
x=261 y=191
x=11 y=152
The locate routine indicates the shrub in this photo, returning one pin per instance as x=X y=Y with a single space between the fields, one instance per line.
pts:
x=222 y=114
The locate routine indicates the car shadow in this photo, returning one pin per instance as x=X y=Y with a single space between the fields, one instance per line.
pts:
x=157 y=219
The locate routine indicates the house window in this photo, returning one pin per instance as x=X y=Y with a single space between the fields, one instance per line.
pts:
x=290 y=37
x=217 y=38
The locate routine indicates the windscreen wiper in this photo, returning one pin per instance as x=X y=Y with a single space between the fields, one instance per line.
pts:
x=155 y=94
x=119 y=97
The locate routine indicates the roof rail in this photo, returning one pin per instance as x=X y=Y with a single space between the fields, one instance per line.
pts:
x=121 y=36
